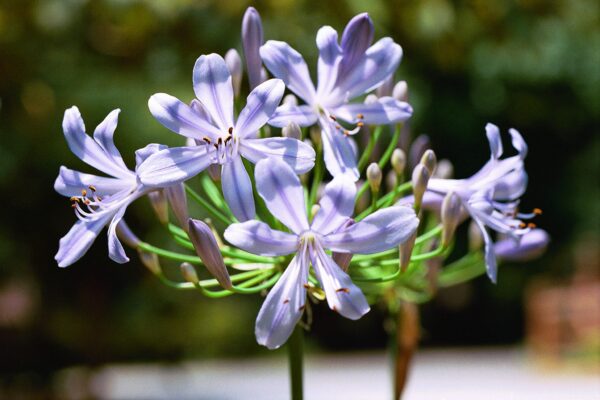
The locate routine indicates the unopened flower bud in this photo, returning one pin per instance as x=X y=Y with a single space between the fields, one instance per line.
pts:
x=429 y=160
x=374 y=177
x=342 y=260
x=290 y=100
x=420 y=178
x=450 y=215
x=178 y=201
x=444 y=170
x=188 y=271
x=292 y=130
x=315 y=135
x=234 y=65
x=208 y=250
x=405 y=251
x=158 y=200
x=398 y=161
x=150 y=260
x=126 y=235
x=400 y=91
x=252 y=39
x=214 y=171
x=386 y=87
x=371 y=99
x=475 y=237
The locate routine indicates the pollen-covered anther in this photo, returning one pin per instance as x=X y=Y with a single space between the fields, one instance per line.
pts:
x=360 y=116
x=360 y=124
x=522 y=225
x=306 y=286
x=74 y=199
x=230 y=130
x=83 y=192
x=207 y=139
x=92 y=188
x=333 y=118
x=286 y=301
x=531 y=225
x=345 y=290
x=537 y=211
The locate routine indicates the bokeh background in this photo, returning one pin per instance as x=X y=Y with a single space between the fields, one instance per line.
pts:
x=528 y=64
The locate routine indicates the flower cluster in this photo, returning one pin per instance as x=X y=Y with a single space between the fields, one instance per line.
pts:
x=287 y=228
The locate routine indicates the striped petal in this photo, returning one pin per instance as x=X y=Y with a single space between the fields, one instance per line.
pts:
x=259 y=238
x=237 y=189
x=214 y=89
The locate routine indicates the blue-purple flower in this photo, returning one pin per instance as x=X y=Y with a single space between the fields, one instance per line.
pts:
x=219 y=139
x=346 y=70
x=532 y=245
x=281 y=190
x=98 y=201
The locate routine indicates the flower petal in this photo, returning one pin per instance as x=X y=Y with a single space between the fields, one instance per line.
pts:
x=103 y=135
x=282 y=192
x=343 y=296
x=259 y=238
x=79 y=239
x=386 y=110
x=115 y=248
x=284 y=305
x=330 y=55
x=70 y=183
x=493 y=135
x=302 y=115
x=532 y=245
x=338 y=153
x=181 y=118
x=518 y=143
x=237 y=189
x=288 y=65
x=260 y=106
x=356 y=39
x=298 y=155
x=174 y=165
x=337 y=205
x=214 y=88
x=491 y=264
x=382 y=230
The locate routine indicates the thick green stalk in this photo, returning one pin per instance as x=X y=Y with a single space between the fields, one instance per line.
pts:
x=295 y=354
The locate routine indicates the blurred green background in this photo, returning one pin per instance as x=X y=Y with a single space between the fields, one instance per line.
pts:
x=529 y=64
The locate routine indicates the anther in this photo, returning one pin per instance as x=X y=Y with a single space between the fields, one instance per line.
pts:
x=333 y=118
x=286 y=301
x=219 y=141
x=206 y=139
x=74 y=199
x=360 y=116
x=86 y=202
x=360 y=124
x=92 y=188
x=346 y=133
x=306 y=286
x=338 y=127
x=345 y=290
x=227 y=139
x=230 y=130
x=522 y=225
x=84 y=192
x=531 y=225
x=537 y=211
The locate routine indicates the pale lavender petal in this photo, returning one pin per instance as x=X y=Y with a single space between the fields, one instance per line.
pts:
x=518 y=143
x=337 y=206
x=343 y=296
x=237 y=189
x=174 y=165
x=531 y=245
x=258 y=238
x=493 y=135
x=142 y=154
x=208 y=250
x=214 y=89
x=79 y=239
x=86 y=148
x=338 y=153
x=297 y=154
x=71 y=183
x=282 y=192
x=252 y=39
x=491 y=264
x=288 y=65
x=234 y=65
x=260 y=106
x=511 y=186
x=386 y=110
x=116 y=252
x=356 y=39
x=330 y=55
x=181 y=118
x=284 y=305
x=178 y=201
x=382 y=230
x=302 y=115
x=103 y=135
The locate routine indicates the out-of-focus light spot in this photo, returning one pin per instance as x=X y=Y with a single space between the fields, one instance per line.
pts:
x=38 y=99
x=53 y=15
x=435 y=17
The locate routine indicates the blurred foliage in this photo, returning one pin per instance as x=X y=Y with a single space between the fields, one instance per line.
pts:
x=531 y=64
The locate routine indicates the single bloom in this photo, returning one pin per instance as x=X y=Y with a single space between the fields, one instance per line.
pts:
x=531 y=246
x=330 y=229
x=97 y=200
x=218 y=138
x=346 y=70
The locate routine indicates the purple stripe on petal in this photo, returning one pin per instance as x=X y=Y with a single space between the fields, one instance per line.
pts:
x=258 y=238
x=174 y=165
x=356 y=39
x=237 y=189
x=297 y=154
x=260 y=106
x=337 y=206
x=302 y=115
x=386 y=110
x=214 y=88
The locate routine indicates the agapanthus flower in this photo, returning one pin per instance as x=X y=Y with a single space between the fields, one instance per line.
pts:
x=346 y=70
x=532 y=245
x=281 y=190
x=97 y=200
x=219 y=139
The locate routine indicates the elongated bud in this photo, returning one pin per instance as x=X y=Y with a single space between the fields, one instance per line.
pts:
x=290 y=100
x=252 y=39
x=420 y=178
x=371 y=99
x=208 y=250
x=400 y=91
x=158 y=199
x=405 y=251
x=398 y=161
x=150 y=260
x=126 y=235
x=215 y=232
x=342 y=259
x=292 y=130
x=315 y=135
x=374 y=177
x=234 y=65
x=429 y=160
x=475 y=237
x=450 y=217
x=214 y=171
x=386 y=87
x=178 y=200
x=188 y=271
x=444 y=170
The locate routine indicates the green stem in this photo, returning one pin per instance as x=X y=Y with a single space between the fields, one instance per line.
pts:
x=364 y=159
x=383 y=200
x=295 y=354
x=317 y=177
x=207 y=206
x=391 y=146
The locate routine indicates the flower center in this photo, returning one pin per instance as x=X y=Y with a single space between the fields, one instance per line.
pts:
x=224 y=148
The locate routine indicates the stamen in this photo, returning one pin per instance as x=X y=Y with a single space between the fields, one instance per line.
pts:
x=84 y=192
x=522 y=225
x=207 y=139
x=227 y=139
x=333 y=118
x=360 y=124
x=306 y=286
x=360 y=116
x=302 y=307
x=74 y=198
x=345 y=290
x=531 y=225
x=286 y=301
x=92 y=188
x=230 y=130
x=537 y=211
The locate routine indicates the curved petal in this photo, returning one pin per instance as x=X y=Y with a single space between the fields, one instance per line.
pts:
x=338 y=153
x=493 y=135
x=79 y=239
x=337 y=206
x=330 y=55
x=511 y=186
x=382 y=230
x=284 y=305
x=260 y=106
x=214 y=88
x=259 y=238
x=115 y=248
x=288 y=65
x=282 y=192
x=356 y=39
x=532 y=245
x=103 y=135
x=302 y=115
x=491 y=264
x=207 y=248
x=86 y=148
x=343 y=296
x=70 y=183
x=237 y=189
x=174 y=165
x=518 y=143
x=386 y=110
x=181 y=118
x=298 y=155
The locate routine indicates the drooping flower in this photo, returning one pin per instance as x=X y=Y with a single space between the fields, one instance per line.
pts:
x=346 y=70
x=219 y=140
x=280 y=188
x=98 y=201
